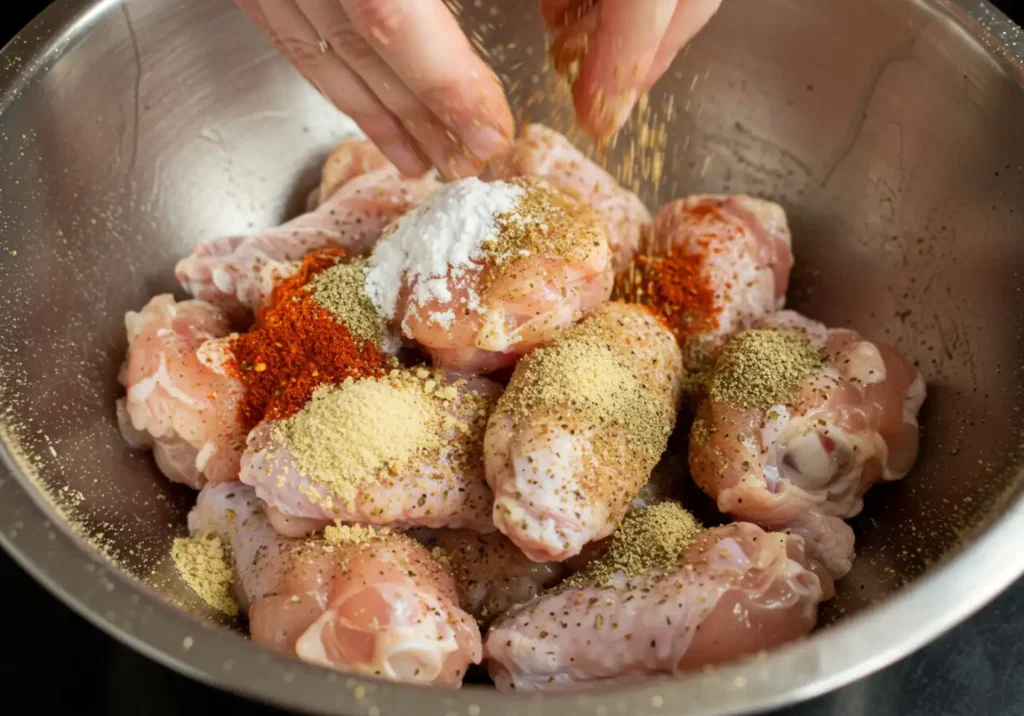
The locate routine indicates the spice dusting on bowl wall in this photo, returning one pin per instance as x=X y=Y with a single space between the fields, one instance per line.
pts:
x=889 y=228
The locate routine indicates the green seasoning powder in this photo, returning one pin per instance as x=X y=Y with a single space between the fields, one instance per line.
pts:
x=761 y=368
x=341 y=289
x=650 y=538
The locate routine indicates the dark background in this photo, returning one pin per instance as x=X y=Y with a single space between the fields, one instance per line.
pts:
x=978 y=668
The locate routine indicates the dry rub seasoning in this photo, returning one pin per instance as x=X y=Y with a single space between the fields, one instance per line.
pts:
x=760 y=368
x=366 y=432
x=616 y=374
x=296 y=346
x=341 y=289
x=348 y=434
x=545 y=222
x=353 y=534
x=649 y=539
x=203 y=563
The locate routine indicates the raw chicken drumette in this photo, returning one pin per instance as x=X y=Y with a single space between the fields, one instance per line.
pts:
x=238 y=273
x=802 y=459
x=350 y=455
x=371 y=602
x=579 y=429
x=483 y=273
x=737 y=590
x=181 y=398
x=542 y=153
x=491 y=573
x=733 y=251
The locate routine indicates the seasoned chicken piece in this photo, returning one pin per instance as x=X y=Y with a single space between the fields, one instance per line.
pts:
x=579 y=429
x=350 y=159
x=360 y=600
x=405 y=450
x=737 y=590
x=182 y=399
x=231 y=511
x=543 y=153
x=732 y=257
x=483 y=273
x=238 y=273
x=800 y=421
x=491 y=573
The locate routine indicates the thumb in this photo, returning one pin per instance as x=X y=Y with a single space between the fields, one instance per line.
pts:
x=620 y=55
x=691 y=16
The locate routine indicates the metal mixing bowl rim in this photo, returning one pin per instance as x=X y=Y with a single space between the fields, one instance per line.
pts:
x=59 y=559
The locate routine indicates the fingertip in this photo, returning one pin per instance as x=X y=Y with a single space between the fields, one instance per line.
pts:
x=409 y=160
x=562 y=13
x=661 y=65
x=690 y=18
x=478 y=114
x=485 y=140
x=601 y=114
x=570 y=46
x=459 y=165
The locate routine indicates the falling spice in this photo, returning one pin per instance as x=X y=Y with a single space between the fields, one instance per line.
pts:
x=610 y=378
x=545 y=221
x=298 y=345
x=342 y=290
x=203 y=564
x=650 y=538
x=760 y=368
x=593 y=381
x=678 y=287
x=676 y=279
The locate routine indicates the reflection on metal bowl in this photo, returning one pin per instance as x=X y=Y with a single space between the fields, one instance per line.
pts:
x=890 y=130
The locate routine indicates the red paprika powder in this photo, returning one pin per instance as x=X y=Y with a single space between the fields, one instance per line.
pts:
x=296 y=346
x=677 y=285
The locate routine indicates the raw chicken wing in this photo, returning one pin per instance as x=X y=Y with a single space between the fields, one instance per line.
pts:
x=364 y=601
x=442 y=486
x=543 y=153
x=737 y=251
x=804 y=464
x=491 y=573
x=238 y=273
x=737 y=590
x=579 y=429
x=544 y=264
x=182 y=399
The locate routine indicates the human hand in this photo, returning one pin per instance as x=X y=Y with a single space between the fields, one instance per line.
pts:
x=614 y=50
x=402 y=70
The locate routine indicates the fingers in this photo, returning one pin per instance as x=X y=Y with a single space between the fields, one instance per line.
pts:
x=438 y=143
x=424 y=47
x=562 y=13
x=255 y=12
x=403 y=70
x=293 y=34
x=613 y=50
x=691 y=16
x=621 y=52
x=571 y=44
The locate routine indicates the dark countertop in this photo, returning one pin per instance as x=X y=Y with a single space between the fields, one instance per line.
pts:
x=975 y=669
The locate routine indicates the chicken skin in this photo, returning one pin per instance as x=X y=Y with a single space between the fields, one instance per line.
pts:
x=797 y=450
x=181 y=397
x=579 y=429
x=364 y=601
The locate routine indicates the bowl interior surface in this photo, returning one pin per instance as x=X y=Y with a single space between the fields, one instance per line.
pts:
x=891 y=131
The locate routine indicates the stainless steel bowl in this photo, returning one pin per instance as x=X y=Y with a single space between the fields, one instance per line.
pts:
x=892 y=130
